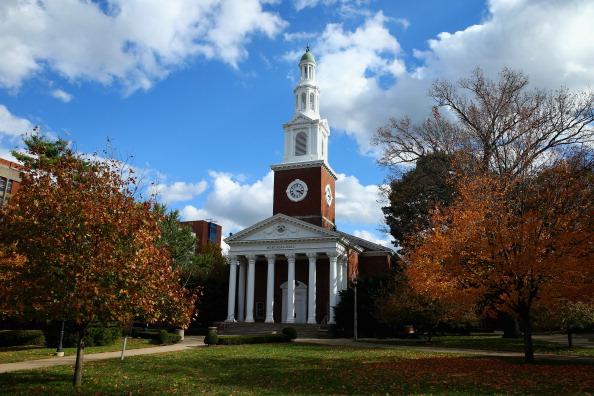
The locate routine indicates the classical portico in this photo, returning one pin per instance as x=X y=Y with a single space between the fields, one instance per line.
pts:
x=293 y=257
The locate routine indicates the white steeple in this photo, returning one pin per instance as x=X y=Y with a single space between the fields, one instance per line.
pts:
x=306 y=135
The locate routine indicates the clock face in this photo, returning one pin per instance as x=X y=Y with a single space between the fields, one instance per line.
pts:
x=329 y=196
x=297 y=190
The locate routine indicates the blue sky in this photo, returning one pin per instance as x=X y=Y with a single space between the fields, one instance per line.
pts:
x=197 y=90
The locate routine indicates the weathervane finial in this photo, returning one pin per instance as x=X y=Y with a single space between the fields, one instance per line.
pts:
x=307 y=48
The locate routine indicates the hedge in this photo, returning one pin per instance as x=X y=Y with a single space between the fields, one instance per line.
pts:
x=290 y=332
x=167 y=338
x=21 y=337
x=252 y=339
x=146 y=334
x=97 y=335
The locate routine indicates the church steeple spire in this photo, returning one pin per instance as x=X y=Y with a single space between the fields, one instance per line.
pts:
x=306 y=92
x=306 y=135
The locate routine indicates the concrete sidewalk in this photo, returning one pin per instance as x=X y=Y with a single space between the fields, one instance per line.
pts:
x=188 y=343
x=478 y=352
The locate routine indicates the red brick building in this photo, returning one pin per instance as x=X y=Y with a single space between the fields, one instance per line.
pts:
x=290 y=267
x=10 y=179
x=206 y=232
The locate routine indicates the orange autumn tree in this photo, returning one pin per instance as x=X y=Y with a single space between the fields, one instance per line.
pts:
x=77 y=246
x=517 y=242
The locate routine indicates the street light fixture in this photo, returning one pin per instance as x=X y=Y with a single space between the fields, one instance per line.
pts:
x=60 y=351
x=355 y=336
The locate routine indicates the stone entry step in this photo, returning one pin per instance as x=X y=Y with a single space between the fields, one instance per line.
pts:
x=303 y=330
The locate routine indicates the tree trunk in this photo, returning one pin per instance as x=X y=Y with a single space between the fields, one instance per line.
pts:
x=511 y=327
x=570 y=338
x=78 y=368
x=528 y=347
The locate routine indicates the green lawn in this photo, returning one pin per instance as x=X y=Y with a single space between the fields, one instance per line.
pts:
x=490 y=343
x=21 y=353
x=270 y=369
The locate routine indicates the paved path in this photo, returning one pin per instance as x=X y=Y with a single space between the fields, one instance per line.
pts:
x=479 y=352
x=579 y=340
x=188 y=343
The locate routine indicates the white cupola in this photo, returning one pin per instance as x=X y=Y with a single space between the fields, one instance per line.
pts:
x=306 y=135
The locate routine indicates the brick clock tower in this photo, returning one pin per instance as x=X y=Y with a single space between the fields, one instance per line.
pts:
x=304 y=183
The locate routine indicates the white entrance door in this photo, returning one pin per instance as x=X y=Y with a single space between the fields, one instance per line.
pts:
x=300 y=302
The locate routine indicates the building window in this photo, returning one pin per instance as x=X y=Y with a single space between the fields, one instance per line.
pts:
x=212 y=233
x=303 y=101
x=312 y=101
x=2 y=184
x=301 y=143
x=8 y=186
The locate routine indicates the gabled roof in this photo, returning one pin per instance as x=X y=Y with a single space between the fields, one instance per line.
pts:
x=287 y=228
x=282 y=227
x=365 y=244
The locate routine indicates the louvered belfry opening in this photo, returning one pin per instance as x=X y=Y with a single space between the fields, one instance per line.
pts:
x=301 y=143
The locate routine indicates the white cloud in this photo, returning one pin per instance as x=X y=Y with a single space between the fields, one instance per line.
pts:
x=132 y=42
x=364 y=79
x=385 y=240
x=352 y=65
x=236 y=204
x=344 y=7
x=357 y=203
x=298 y=36
x=178 y=191
x=13 y=125
x=549 y=40
x=61 y=95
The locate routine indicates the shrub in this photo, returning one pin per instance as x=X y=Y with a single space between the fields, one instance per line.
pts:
x=252 y=339
x=146 y=334
x=98 y=334
x=166 y=338
x=212 y=338
x=21 y=337
x=290 y=332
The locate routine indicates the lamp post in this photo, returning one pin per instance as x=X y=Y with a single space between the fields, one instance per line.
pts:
x=60 y=351
x=355 y=337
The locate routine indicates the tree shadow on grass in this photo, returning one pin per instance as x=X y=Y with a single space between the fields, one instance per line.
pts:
x=21 y=348
x=33 y=382
x=307 y=370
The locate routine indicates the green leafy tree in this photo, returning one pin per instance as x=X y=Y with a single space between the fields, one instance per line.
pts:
x=181 y=243
x=576 y=316
x=414 y=196
x=371 y=292
x=204 y=273
x=213 y=280
x=42 y=151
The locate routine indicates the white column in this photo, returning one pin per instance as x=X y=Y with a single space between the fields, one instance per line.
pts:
x=290 y=289
x=270 y=289
x=343 y=279
x=232 y=280
x=333 y=285
x=339 y=275
x=251 y=274
x=345 y=273
x=311 y=289
x=241 y=293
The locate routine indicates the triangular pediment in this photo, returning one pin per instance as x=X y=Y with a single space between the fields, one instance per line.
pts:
x=302 y=119
x=281 y=227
